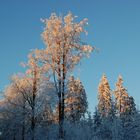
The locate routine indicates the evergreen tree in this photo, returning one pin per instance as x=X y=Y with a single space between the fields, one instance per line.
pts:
x=97 y=123
x=132 y=106
x=76 y=100
x=104 y=96
x=121 y=97
x=129 y=121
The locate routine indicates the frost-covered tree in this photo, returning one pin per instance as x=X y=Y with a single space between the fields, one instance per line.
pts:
x=132 y=106
x=29 y=98
x=16 y=103
x=104 y=96
x=33 y=81
x=75 y=100
x=97 y=120
x=23 y=93
x=129 y=121
x=107 y=128
x=127 y=111
x=8 y=124
x=64 y=49
x=101 y=127
x=121 y=96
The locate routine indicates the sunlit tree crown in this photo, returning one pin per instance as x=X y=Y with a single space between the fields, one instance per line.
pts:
x=121 y=95
x=104 y=96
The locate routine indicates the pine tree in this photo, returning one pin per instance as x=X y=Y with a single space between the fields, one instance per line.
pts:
x=132 y=106
x=121 y=97
x=104 y=96
x=76 y=100
x=127 y=111
x=97 y=121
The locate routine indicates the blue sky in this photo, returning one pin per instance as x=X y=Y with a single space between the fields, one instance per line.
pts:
x=114 y=28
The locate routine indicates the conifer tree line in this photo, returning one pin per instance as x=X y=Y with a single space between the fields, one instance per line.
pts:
x=116 y=116
x=117 y=100
x=48 y=103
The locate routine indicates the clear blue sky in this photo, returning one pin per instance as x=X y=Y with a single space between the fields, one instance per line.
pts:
x=114 y=28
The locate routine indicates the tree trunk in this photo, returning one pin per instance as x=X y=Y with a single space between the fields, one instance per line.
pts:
x=23 y=124
x=60 y=119
x=33 y=117
x=61 y=136
x=33 y=103
x=33 y=124
x=62 y=97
